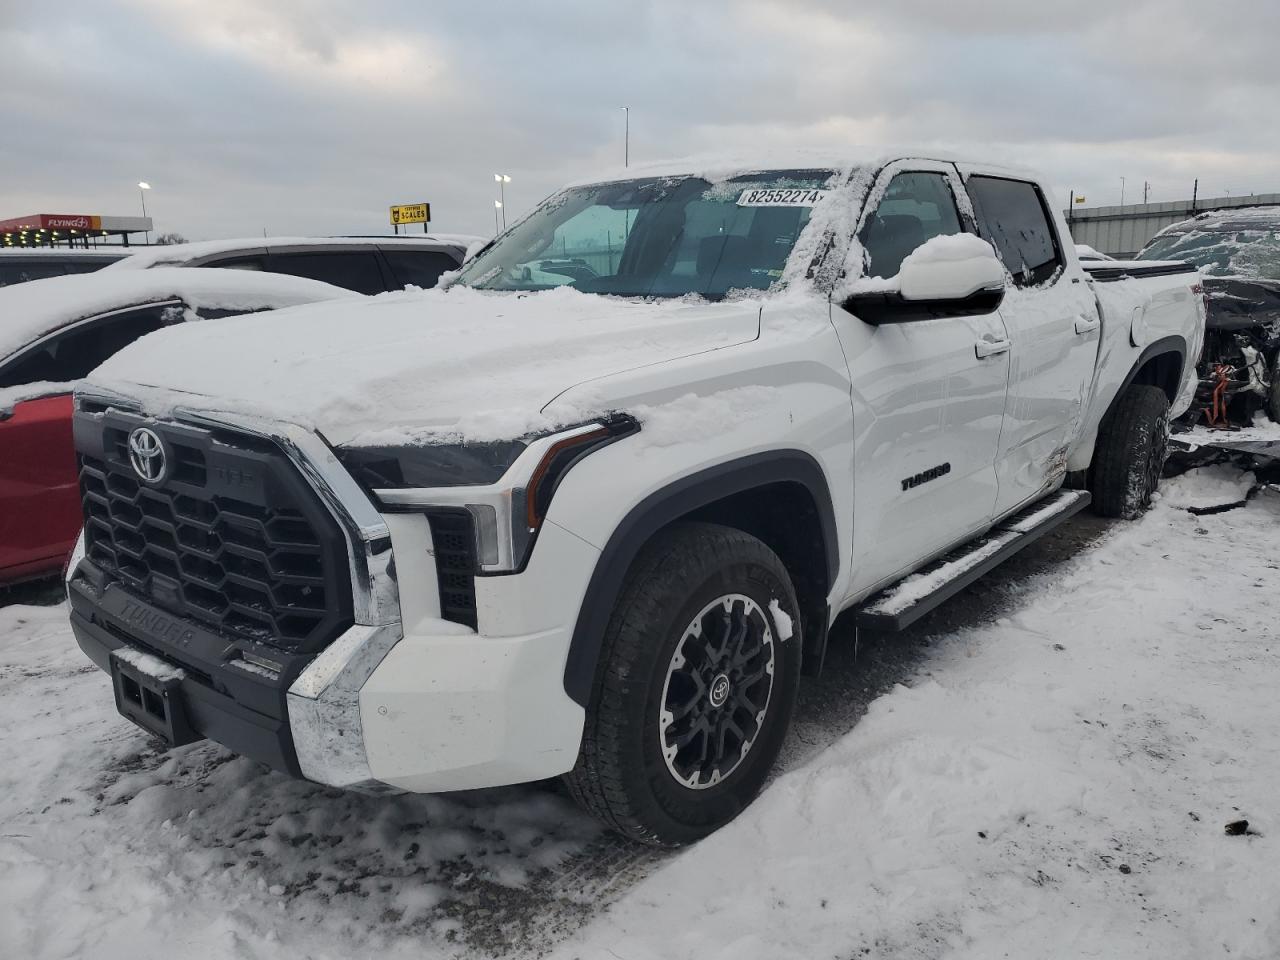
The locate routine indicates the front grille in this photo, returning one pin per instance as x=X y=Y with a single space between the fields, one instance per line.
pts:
x=453 y=537
x=231 y=537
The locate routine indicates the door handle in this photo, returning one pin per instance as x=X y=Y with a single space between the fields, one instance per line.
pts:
x=989 y=347
x=1087 y=324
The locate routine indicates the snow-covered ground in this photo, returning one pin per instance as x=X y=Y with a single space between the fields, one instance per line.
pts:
x=1051 y=784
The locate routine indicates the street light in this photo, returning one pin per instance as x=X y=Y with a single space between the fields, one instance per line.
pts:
x=143 y=187
x=501 y=179
x=497 y=205
x=626 y=138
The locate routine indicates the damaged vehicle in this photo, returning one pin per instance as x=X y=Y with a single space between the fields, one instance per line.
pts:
x=591 y=510
x=1238 y=254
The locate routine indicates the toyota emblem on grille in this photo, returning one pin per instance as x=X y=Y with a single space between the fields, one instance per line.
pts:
x=146 y=454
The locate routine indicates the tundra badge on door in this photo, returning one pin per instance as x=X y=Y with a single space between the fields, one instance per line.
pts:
x=933 y=473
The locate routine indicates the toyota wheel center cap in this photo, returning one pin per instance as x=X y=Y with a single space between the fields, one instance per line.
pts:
x=719 y=690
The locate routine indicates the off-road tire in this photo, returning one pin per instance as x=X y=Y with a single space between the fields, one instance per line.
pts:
x=622 y=777
x=1133 y=444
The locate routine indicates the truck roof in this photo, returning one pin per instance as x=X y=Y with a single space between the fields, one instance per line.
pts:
x=715 y=167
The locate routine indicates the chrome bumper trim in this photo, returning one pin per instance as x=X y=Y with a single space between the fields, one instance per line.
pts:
x=324 y=708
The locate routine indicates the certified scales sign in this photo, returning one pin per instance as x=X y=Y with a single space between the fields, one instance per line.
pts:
x=410 y=213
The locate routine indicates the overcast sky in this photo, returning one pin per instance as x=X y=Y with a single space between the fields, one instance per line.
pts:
x=311 y=116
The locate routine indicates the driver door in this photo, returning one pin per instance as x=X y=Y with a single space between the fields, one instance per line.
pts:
x=928 y=395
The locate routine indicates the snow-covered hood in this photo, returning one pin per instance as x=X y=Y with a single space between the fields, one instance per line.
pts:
x=422 y=366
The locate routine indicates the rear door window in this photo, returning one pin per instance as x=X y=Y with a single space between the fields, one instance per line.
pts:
x=1013 y=216
x=916 y=206
x=418 y=268
x=356 y=270
x=72 y=354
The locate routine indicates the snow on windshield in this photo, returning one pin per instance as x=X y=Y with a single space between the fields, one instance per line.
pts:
x=658 y=236
x=1243 y=243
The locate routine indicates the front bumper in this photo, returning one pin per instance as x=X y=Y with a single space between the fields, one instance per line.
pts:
x=374 y=712
x=243 y=711
x=401 y=699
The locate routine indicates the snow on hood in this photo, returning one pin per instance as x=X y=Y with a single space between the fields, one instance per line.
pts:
x=30 y=310
x=422 y=366
x=10 y=397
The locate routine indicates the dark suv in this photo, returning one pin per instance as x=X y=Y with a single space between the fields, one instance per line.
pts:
x=23 y=264
x=364 y=264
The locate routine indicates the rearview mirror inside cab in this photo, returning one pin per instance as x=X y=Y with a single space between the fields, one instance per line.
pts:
x=948 y=276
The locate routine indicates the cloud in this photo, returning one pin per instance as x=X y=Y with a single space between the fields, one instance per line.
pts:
x=312 y=116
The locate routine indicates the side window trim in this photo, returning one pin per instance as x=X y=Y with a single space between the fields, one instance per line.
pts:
x=389 y=280
x=1059 y=259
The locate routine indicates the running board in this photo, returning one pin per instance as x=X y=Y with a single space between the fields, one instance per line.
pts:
x=899 y=606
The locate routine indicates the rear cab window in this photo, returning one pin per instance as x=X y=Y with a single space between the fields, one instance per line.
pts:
x=1013 y=216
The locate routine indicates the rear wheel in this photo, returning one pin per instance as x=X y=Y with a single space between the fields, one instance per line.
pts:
x=1133 y=444
x=695 y=688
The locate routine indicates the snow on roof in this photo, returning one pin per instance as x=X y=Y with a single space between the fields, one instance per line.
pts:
x=717 y=167
x=1227 y=218
x=179 y=253
x=31 y=310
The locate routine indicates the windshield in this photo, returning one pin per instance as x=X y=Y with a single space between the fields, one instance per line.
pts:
x=657 y=237
x=1251 y=252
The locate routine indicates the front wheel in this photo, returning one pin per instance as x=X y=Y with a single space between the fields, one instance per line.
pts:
x=1133 y=444
x=695 y=689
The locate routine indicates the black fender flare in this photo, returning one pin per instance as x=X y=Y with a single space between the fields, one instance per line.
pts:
x=666 y=505
x=1170 y=344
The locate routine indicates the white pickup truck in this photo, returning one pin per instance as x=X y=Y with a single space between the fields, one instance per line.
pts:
x=591 y=510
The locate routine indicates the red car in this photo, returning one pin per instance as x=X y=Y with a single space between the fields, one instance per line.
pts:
x=52 y=333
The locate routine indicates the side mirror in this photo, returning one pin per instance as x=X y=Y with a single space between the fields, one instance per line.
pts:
x=950 y=276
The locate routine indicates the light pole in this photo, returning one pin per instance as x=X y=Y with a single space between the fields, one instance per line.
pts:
x=497 y=205
x=143 y=187
x=626 y=137
x=501 y=179
x=1122 y=191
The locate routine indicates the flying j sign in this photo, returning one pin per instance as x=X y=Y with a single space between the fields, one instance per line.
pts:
x=86 y=222
x=411 y=213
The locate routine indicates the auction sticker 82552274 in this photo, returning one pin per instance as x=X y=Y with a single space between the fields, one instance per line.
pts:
x=788 y=197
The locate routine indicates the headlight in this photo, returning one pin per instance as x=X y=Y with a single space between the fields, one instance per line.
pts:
x=506 y=487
